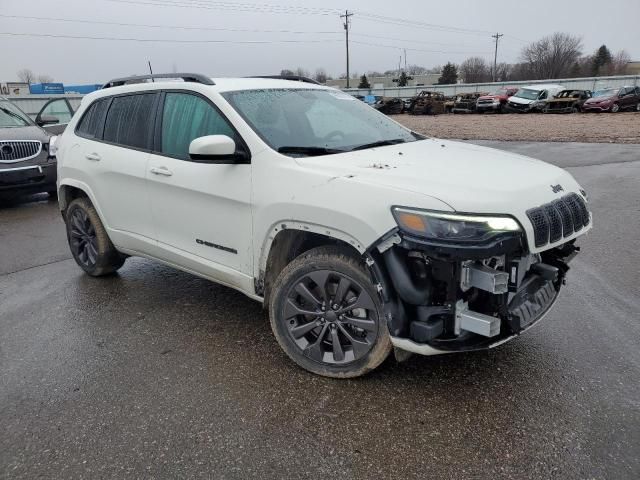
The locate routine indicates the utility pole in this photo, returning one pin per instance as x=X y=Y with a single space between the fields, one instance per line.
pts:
x=346 y=36
x=405 y=59
x=495 y=57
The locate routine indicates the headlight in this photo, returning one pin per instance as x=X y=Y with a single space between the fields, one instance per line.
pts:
x=452 y=227
x=53 y=148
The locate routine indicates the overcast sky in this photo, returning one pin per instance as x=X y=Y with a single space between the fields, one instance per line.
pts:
x=288 y=34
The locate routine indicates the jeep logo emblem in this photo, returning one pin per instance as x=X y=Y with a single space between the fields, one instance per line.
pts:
x=557 y=188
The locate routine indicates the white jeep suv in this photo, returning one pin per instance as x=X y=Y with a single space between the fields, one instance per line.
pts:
x=357 y=234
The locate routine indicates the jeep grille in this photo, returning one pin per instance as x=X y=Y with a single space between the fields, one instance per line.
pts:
x=558 y=219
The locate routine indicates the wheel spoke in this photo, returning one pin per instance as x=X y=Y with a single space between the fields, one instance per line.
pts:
x=314 y=350
x=303 y=329
x=360 y=347
x=338 y=352
x=303 y=291
x=76 y=222
x=92 y=252
x=341 y=291
x=363 y=323
x=291 y=310
x=320 y=278
x=363 y=301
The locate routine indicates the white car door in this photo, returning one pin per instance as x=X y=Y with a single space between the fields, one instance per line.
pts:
x=202 y=211
x=115 y=154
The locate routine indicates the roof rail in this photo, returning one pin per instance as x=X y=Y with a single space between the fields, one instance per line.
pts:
x=187 y=77
x=295 y=78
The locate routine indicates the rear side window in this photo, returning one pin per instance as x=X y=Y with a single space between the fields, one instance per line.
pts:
x=90 y=125
x=186 y=117
x=130 y=120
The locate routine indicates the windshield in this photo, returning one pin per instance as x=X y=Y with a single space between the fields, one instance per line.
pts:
x=527 y=94
x=609 y=92
x=315 y=122
x=502 y=91
x=12 y=116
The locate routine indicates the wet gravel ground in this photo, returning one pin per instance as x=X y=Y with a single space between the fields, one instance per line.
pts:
x=580 y=127
x=153 y=373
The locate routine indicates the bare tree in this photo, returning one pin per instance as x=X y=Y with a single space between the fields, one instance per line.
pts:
x=26 y=76
x=474 y=70
x=619 y=63
x=552 y=56
x=301 y=72
x=320 y=75
x=43 y=78
x=285 y=72
x=503 y=72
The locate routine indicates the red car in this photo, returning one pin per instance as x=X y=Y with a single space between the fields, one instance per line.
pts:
x=496 y=101
x=613 y=100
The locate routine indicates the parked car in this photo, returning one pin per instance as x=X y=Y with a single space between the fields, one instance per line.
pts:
x=532 y=98
x=567 y=101
x=27 y=152
x=496 y=101
x=427 y=103
x=389 y=105
x=466 y=102
x=614 y=100
x=346 y=225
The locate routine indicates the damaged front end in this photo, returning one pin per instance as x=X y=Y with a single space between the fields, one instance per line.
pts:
x=457 y=283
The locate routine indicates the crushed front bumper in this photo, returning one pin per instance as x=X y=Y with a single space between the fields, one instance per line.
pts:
x=445 y=299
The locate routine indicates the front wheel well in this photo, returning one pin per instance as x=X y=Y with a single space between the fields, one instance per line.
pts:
x=68 y=194
x=287 y=246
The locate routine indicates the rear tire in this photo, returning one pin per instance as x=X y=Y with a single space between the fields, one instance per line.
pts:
x=88 y=240
x=311 y=319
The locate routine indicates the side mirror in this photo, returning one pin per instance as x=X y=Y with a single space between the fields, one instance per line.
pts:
x=216 y=149
x=43 y=120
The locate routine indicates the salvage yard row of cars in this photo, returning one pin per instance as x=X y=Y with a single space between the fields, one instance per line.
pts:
x=545 y=98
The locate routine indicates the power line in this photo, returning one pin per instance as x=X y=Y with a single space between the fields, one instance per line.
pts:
x=178 y=27
x=158 y=40
x=418 y=49
x=230 y=6
x=417 y=24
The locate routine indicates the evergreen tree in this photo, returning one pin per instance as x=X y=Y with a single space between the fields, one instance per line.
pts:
x=403 y=80
x=449 y=74
x=364 y=82
x=601 y=59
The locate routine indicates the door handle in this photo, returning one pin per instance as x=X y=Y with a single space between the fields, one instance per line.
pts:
x=164 y=171
x=92 y=156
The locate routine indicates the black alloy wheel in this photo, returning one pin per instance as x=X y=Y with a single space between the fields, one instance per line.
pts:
x=331 y=317
x=83 y=239
x=88 y=241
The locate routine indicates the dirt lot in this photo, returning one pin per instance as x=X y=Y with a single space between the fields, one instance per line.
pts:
x=594 y=128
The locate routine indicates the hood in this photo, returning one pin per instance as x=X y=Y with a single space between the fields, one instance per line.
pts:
x=492 y=97
x=600 y=99
x=467 y=177
x=523 y=101
x=32 y=132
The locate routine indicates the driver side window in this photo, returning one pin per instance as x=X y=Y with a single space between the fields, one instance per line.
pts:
x=186 y=117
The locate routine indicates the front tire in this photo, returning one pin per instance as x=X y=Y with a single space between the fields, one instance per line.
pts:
x=326 y=314
x=88 y=240
x=615 y=108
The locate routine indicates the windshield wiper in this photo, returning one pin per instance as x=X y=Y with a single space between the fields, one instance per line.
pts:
x=380 y=143
x=311 y=151
x=13 y=114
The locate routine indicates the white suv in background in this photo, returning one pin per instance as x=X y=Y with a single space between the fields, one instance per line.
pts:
x=356 y=233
